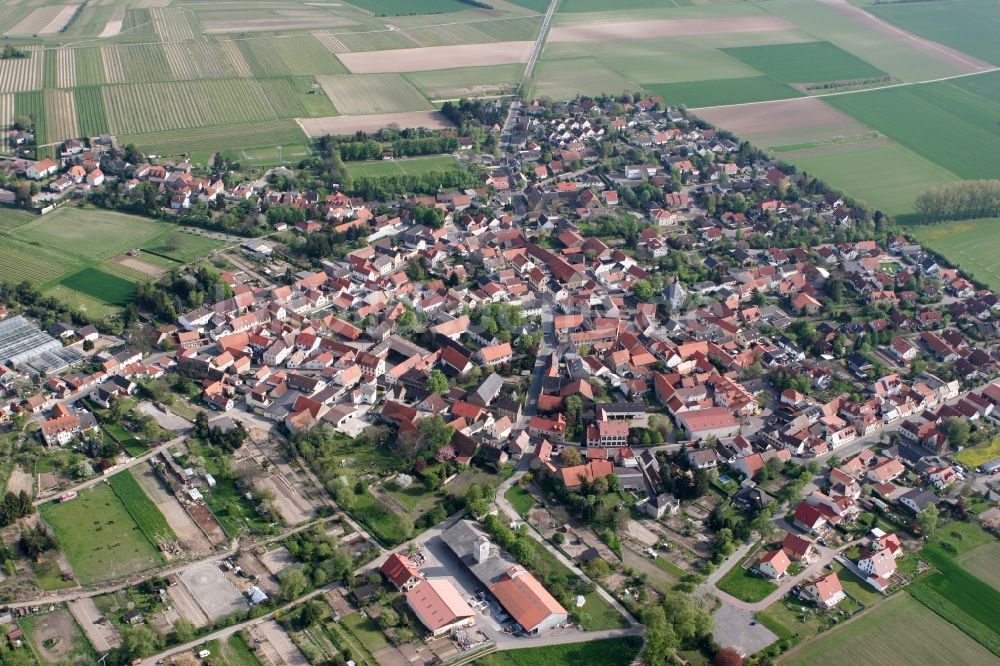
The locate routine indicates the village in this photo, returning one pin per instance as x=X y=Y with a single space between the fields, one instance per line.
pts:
x=639 y=362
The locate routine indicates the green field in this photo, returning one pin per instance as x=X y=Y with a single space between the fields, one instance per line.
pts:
x=973 y=246
x=233 y=652
x=886 y=176
x=520 y=499
x=721 y=92
x=806 y=62
x=373 y=93
x=103 y=286
x=563 y=79
x=465 y=81
x=971 y=26
x=233 y=140
x=403 y=7
x=141 y=508
x=745 y=585
x=413 y=166
x=899 y=632
x=950 y=123
x=981 y=602
x=95 y=529
x=981 y=562
x=609 y=652
x=90 y=233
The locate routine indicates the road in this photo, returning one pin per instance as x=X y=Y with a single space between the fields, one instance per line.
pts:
x=120 y=468
x=539 y=43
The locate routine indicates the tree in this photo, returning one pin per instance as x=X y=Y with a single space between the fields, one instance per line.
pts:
x=570 y=457
x=387 y=619
x=437 y=382
x=927 y=519
x=597 y=568
x=311 y=613
x=183 y=631
x=727 y=656
x=956 y=430
x=660 y=637
x=293 y=585
x=643 y=290
x=140 y=642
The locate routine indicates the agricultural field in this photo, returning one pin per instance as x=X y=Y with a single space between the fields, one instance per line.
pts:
x=96 y=528
x=722 y=92
x=898 y=632
x=141 y=508
x=300 y=55
x=413 y=166
x=234 y=140
x=466 y=81
x=103 y=286
x=981 y=562
x=91 y=234
x=21 y=263
x=402 y=7
x=373 y=93
x=806 y=62
x=569 y=78
x=973 y=246
x=56 y=638
x=971 y=26
x=884 y=175
x=914 y=115
x=60 y=116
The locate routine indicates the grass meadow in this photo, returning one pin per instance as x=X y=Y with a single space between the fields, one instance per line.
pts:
x=96 y=529
x=886 y=176
x=141 y=508
x=413 y=166
x=608 y=652
x=898 y=632
x=981 y=562
x=973 y=246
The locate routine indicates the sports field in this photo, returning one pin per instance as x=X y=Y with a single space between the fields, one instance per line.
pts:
x=95 y=529
x=972 y=245
x=898 y=632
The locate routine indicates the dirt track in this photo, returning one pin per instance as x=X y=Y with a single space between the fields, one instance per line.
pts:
x=631 y=30
x=961 y=61
x=371 y=123
x=436 y=57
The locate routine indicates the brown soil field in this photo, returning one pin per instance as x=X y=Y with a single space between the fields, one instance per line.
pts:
x=132 y=262
x=631 y=30
x=57 y=626
x=437 y=57
x=207 y=522
x=945 y=54
x=19 y=480
x=314 y=127
x=111 y=28
x=783 y=122
x=44 y=20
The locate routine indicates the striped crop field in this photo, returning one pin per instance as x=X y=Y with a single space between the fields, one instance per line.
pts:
x=89 y=67
x=32 y=104
x=299 y=56
x=90 y=114
x=65 y=68
x=49 y=78
x=60 y=116
x=135 y=63
x=193 y=60
x=6 y=117
x=239 y=63
x=155 y=107
x=332 y=44
x=18 y=265
x=171 y=24
x=226 y=138
x=18 y=74
x=138 y=23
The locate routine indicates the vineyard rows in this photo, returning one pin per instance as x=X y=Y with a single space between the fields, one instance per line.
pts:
x=155 y=107
x=235 y=55
x=6 y=117
x=135 y=63
x=49 y=78
x=17 y=266
x=60 y=116
x=332 y=44
x=226 y=137
x=171 y=24
x=18 y=74
x=89 y=67
x=32 y=104
x=193 y=60
x=65 y=68
x=90 y=114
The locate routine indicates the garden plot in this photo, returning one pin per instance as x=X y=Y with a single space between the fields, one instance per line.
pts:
x=17 y=74
x=56 y=638
x=437 y=57
x=44 y=21
x=315 y=127
x=378 y=93
x=658 y=28
x=65 y=68
x=293 y=508
x=216 y=595
x=192 y=538
x=171 y=24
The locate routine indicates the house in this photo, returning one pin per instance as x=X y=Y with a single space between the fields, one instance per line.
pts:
x=809 y=519
x=657 y=506
x=878 y=563
x=798 y=548
x=133 y=616
x=41 y=169
x=439 y=606
x=774 y=564
x=825 y=591
x=702 y=458
x=399 y=570
x=701 y=424
x=917 y=500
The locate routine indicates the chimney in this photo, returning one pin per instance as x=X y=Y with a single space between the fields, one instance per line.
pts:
x=482 y=552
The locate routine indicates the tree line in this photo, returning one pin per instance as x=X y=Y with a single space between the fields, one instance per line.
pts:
x=387 y=187
x=963 y=200
x=354 y=151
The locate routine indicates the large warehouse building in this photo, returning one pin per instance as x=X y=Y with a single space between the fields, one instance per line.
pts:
x=24 y=346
